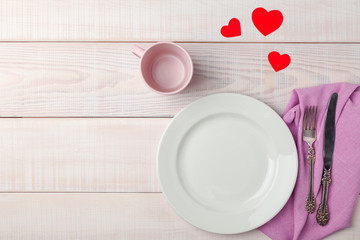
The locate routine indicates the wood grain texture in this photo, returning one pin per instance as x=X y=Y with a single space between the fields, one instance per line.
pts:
x=103 y=79
x=186 y=20
x=109 y=216
x=79 y=155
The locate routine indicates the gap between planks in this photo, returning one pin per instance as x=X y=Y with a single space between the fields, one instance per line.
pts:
x=212 y=42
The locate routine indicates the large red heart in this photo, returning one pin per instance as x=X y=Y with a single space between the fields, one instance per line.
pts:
x=267 y=22
x=279 y=62
x=231 y=30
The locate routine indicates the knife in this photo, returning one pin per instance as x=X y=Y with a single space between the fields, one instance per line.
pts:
x=322 y=216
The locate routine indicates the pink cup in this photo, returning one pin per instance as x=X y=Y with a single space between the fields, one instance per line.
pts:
x=165 y=67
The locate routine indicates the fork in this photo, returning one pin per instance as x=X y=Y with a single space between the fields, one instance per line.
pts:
x=309 y=136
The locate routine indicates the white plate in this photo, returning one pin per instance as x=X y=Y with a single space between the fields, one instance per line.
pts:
x=227 y=163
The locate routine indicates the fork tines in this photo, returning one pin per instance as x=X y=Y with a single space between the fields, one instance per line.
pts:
x=310 y=117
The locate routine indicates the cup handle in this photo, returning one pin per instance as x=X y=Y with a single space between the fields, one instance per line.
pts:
x=138 y=51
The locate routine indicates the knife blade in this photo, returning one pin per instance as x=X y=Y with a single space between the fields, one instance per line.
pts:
x=329 y=132
x=322 y=216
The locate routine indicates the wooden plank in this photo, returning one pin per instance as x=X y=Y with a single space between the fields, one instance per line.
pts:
x=109 y=216
x=103 y=79
x=187 y=20
x=97 y=216
x=79 y=155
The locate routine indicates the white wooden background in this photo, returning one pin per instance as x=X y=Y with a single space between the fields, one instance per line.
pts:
x=79 y=130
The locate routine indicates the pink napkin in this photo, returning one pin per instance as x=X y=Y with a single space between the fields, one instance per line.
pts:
x=293 y=222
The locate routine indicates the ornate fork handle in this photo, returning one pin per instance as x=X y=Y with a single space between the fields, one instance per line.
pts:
x=310 y=199
x=322 y=216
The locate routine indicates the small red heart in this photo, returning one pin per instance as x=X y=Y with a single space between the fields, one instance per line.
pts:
x=267 y=22
x=231 y=30
x=279 y=62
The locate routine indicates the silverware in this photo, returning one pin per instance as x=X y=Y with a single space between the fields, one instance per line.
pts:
x=309 y=136
x=322 y=216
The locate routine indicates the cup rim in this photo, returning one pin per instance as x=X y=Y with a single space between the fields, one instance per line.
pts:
x=191 y=70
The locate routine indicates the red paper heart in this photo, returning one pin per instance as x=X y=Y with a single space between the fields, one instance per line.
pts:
x=267 y=22
x=279 y=62
x=231 y=30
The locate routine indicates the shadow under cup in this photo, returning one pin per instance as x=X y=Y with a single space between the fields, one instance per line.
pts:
x=167 y=68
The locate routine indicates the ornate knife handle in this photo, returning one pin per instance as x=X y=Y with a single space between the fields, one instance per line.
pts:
x=322 y=216
x=310 y=199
